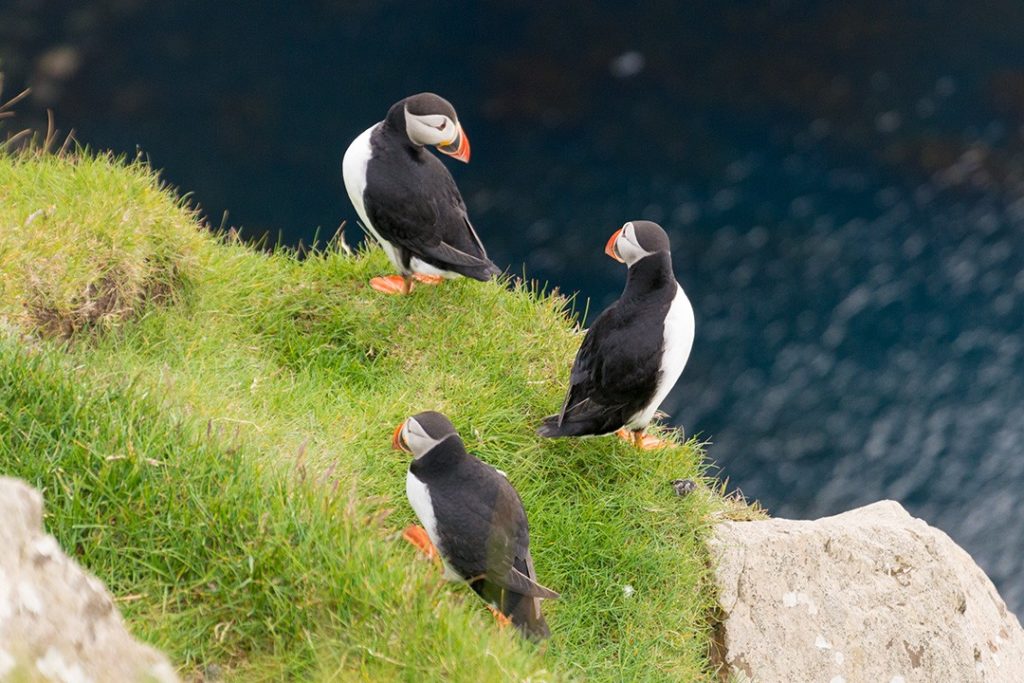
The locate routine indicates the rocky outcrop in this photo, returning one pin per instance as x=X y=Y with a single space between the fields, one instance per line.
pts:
x=872 y=595
x=58 y=623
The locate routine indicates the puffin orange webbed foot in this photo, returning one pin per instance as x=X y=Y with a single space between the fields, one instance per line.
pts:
x=642 y=440
x=428 y=279
x=649 y=442
x=503 y=621
x=417 y=536
x=625 y=435
x=391 y=284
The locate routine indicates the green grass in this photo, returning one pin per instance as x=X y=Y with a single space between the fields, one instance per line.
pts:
x=210 y=426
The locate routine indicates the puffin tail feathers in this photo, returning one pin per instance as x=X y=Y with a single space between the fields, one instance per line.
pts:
x=555 y=426
x=581 y=418
x=447 y=257
x=526 y=616
x=550 y=427
x=483 y=273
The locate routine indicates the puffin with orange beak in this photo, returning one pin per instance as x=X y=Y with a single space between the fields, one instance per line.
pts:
x=473 y=520
x=407 y=199
x=635 y=351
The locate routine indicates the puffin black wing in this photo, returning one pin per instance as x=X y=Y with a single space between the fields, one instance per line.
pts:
x=613 y=376
x=513 y=589
x=425 y=216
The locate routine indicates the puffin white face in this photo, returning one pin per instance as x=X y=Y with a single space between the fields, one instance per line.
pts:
x=623 y=246
x=440 y=131
x=431 y=129
x=430 y=119
x=410 y=436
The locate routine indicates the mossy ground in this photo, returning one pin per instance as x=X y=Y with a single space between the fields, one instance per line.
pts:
x=210 y=426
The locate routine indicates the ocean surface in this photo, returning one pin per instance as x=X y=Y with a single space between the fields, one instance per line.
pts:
x=843 y=186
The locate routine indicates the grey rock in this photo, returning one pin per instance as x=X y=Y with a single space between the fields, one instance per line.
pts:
x=870 y=595
x=684 y=487
x=58 y=623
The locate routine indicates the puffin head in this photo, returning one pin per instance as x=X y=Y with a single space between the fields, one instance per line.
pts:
x=635 y=240
x=431 y=120
x=421 y=432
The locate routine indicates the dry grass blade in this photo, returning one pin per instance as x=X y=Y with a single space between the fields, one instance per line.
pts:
x=7 y=111
x=6 y=108
x=66 y=146
x=13 y=139
x=52 y=133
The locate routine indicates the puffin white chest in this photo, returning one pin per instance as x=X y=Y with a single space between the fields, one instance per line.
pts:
x=353 y=171
x=419 y=499
x=677 y=341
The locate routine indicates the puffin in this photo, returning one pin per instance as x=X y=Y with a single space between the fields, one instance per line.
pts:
x=408 y=200
x=473 y=519
x=635 y=351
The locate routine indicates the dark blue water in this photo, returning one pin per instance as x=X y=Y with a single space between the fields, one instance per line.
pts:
x=844 y=188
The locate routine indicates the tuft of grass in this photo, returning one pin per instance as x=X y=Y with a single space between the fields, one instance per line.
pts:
x=83 y=249
x=219 y=454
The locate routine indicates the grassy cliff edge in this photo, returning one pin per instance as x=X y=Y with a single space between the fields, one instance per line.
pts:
x=210 y=427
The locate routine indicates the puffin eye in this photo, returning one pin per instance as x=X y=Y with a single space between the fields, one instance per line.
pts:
x=444 y=124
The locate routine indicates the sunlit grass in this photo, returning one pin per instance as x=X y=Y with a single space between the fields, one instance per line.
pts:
x=219 y=453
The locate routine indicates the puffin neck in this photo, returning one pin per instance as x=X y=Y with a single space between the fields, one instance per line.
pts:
x=650 y=273
x=395 y=119
x=393 y=128
x=448 y=451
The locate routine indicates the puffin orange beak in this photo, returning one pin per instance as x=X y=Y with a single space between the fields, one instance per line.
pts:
x=610 y=247
x=396 y=439
x=459 y=147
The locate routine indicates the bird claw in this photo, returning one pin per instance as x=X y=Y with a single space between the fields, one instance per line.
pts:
x=641 y=440
x=417 y=536
x=391 y=284
x=428 y=279
x=502 y=620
